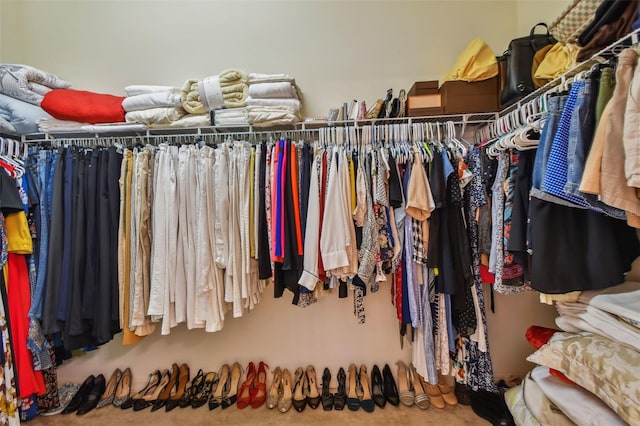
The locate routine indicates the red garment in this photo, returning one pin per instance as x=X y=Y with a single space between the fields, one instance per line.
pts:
x=538 y=336
x=485 y=276
x=398 y=292
x=82 y=106
x=19 y=303
x=296 y=198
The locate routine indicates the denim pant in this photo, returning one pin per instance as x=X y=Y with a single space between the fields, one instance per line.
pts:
x=46 y=169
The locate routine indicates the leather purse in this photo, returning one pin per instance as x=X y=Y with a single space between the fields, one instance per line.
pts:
x=518 y=58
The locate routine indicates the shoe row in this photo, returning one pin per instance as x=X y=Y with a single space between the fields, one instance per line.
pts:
x=174 y=388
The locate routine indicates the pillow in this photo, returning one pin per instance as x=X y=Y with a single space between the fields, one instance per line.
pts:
x=538 y=336
x=600 y=365
x=579 y=405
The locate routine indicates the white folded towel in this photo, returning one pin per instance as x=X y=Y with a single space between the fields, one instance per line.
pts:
x=273 y=90
x=155 y=116
x=231 y=117
x=151 y=100
x=256 y=77
x=288 y=102
x=143 y=89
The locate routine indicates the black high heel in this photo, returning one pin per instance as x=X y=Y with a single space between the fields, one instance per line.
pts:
x=298 y=397
x=340 y=397
x=80 y=395
x=231 y=393
x=152 y=383
x=327 y=396
x=313 y=397
x=204 y=390
x=224 y=377
x=185 y=401
x=377 y=391
x=389 y=386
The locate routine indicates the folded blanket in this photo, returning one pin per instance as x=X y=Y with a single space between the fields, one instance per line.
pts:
x=27 y=83
x=114 y=128
x=230 y=117
x=155 y=116
x=21 y=118
x=622 y=300
x=53 y=125
x=80 y=105
x=144 y=89
x=289 y=102
x=151 y=100
x=262 y=116
x=256 y=77
x=191 y=120
x=229 y=89
x=273 y=90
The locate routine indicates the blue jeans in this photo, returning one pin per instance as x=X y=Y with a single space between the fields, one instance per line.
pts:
x=554 y=110
x=46 y=167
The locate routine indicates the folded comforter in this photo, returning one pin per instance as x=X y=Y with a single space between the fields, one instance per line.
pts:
x=263 y=116
x=229 y=89
x=281 y=89
x=288 y=102
x=27 y=83
x=190 y=120
x=231 y=117
x=145 y=89
x=20 y=117
x=83 y=106
x=622 y=300
x=51 y=125
x=151 y=100
x=256 y=77
x=155 y=116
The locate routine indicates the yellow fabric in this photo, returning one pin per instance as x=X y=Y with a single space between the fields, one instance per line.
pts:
x=537 y=60
x=559 y=59
x=476 y=63
x=18 y=235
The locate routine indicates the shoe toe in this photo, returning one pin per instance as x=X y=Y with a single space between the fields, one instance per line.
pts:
x=353 y=404
x=368 y=405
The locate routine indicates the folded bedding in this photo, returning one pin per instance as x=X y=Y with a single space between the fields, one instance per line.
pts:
x=522 y=416
x=62 y=126
x=262 y=116
x=288 y=102
x=21 y=117
x=540 y=406
x=27 y=83
x=191 y=120
x=155 y=116
x=83 y=106
x=145 y=89
x=622 y=300
x=578 y=404
x=53 y=125
x=151 y=100
x=230 y=117
x=256 y=77
x=280 y=89
x=228 y=89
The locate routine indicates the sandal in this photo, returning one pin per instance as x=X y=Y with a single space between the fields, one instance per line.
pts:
x=421 y=398
x=405 y=390
x=259 y=390
x=276 y=389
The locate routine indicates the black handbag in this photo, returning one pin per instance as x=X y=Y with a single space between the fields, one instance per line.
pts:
x=518 y=81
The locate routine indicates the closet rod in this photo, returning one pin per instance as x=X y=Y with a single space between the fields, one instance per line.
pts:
x=609 y=50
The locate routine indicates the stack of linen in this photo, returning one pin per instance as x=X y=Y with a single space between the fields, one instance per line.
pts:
x=273 y=99
x=22 y=89
x=226 y=90
x=588 y=373
x=159 y=106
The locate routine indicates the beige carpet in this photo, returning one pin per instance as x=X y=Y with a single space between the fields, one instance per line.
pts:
x=110 y=416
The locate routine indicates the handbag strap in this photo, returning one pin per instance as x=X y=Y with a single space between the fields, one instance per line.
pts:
x=548 y=38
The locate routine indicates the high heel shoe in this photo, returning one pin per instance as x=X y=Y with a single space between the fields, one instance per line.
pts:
x=152 y=383
x=377 y=387
x=353 y=402
x=224 y=376
x=90 y=402
x=327 y=396
x=110 y=389
x=232 y=395
x=300 y=380
x=421 y=398
x=435 y=396
x=285 y=400
x=80 y=395
x=407 y=396
x=123 y=390
x=389 y=386
x=340 y=397
x=366 y=402
x=185 y=401
x=313 y=396
x=203 y=391
x=183 y=379
x=244 y=394
x=149 y=397
x=259 y=390
x=166 y=393
x=446 y=389
x=276 y=389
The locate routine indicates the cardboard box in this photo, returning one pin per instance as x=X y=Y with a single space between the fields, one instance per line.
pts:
x=460 y=97
x=424 y=88
x=424 y=105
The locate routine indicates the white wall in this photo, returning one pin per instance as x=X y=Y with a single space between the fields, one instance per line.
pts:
x=531 y=12
x=337 y=51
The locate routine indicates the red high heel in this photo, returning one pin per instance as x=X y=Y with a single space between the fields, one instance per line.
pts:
x=244 y=395
x=259 y=390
